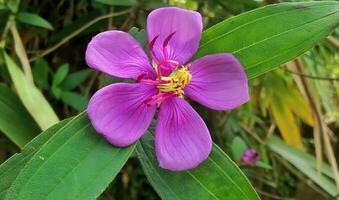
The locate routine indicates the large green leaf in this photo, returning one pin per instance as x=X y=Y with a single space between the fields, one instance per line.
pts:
x=76 y=163
x=216 y=178
x=305 y=163
x=267 y=37
x=15 y=121
x=12 y=167
x=31 y=97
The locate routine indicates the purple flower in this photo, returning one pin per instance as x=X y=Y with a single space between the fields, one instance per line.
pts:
x=122 y=112
x=250 y=157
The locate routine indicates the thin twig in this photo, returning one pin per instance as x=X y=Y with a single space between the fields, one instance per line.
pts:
x=333 y=41
x=311 y=77
x=272 y=196
x=78 y=31
x=321 y=127
x=91 y=82
x=303 y=85
x=243 y=126
x=270 y=130
x=110 y=20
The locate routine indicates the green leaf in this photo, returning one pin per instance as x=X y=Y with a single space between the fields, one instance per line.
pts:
x=40 y=73
x=140 y=36
x=13 y=5
x=305 y=163
x=31 y=97
x=10 y=169
x=60 y=74
x=118 y=2
x=56 y=92
x=77 y=101
x=15 y=121
x=75 y=163
x=33 y=19
x=75 y=79
x=263 y=165
x=216 y=178
x=238 y=147
x=267 y=37
x=3 y=7
x=4 y=72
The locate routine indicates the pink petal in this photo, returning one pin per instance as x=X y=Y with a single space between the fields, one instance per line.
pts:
x=218 y=82
x=182 y=140
x=119 y=112
x=117 y=53
x=184 y=24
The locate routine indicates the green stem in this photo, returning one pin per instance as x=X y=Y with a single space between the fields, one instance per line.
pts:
x=20 y=50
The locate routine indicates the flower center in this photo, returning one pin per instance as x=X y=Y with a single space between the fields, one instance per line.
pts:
x=172 y=77
x=176 y=81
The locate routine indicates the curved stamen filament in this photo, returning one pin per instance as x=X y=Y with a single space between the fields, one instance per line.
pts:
x=165 y=60
x=158 y=98
x=171 y=64
x=150 y=49
x=152 y=82
x=165 y=44
x=152 y=54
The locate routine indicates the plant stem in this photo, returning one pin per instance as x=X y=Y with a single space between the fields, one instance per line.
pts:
x=320 y=126
x=20 y=50
x=311 y=77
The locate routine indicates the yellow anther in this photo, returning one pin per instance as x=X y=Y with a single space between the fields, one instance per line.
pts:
x=176 y=81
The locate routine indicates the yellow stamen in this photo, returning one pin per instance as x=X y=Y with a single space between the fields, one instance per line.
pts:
x=176 y=81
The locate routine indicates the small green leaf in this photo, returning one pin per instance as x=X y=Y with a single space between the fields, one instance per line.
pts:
x=33 y=19
x=3 y=7
x=267 y=37
x=4 y=71
x=75 y=79
x=13 y=5
x=40 y=73
x=75 y=163
x=10 y=169
x=140 y=36
x=118 y=2
x=238 y=147
x=77 y=101
x=31 y=97
x=263 y=165
x=56 y=92
x=216 y=178
x=60 y=74
x=15 y=121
